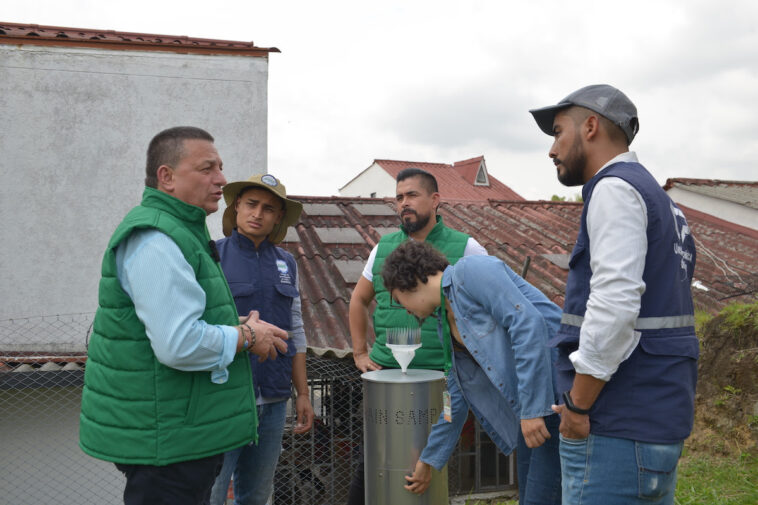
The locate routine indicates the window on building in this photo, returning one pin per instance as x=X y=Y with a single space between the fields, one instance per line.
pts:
x=481 y=176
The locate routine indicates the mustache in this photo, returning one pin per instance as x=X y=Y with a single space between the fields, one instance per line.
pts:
x=557 y=161
x=408 y=211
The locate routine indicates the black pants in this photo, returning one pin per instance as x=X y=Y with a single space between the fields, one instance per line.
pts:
x=356 y=495
x=183 y=483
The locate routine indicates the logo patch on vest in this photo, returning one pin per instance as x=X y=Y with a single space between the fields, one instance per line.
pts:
x=682 y=230
x=284 y=272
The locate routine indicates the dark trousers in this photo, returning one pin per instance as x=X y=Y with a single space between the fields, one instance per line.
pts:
x=356 y=495
x=183 y=483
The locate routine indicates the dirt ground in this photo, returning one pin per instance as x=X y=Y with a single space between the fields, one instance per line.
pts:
x=726 y=403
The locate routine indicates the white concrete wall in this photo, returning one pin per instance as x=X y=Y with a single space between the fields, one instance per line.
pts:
x=723 y=209
x=373 y=179
x=75 y=127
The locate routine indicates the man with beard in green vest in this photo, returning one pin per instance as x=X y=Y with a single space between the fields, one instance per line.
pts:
x=417 y=197
x=167 y=386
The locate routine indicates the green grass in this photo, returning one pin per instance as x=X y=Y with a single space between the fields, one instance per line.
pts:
x=704 y=480
x=741 y=315
x=710 y=480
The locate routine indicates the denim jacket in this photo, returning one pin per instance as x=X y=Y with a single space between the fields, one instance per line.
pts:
x=508 y=374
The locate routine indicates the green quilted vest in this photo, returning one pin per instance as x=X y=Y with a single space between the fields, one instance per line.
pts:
x=136 y=410
x=452 y=244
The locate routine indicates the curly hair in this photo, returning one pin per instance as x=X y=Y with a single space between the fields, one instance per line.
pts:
x=411 y=263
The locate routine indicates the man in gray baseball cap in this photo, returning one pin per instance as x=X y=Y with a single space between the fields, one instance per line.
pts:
x=606 y=100
x=627 y=351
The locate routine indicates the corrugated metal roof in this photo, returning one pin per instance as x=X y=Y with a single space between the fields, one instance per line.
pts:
x=36 y=362
x=456 y=182
x=741 y=192
x=511 y=230
x=26 y=34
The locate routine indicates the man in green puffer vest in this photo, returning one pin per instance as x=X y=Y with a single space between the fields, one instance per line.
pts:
x=167 y=389
x=417 y=200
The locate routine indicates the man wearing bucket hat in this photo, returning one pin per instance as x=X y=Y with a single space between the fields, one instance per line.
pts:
x=627 y=362
x=263 y=277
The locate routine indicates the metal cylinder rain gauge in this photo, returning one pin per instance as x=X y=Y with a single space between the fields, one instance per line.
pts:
x=399 y=409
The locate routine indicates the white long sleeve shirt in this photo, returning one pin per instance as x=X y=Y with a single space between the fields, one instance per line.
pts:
x=617 y=229
x=169 y=301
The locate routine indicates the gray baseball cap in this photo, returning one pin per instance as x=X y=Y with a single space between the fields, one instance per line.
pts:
x=604 y=99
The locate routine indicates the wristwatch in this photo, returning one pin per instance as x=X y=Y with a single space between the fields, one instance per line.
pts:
x=570 y=404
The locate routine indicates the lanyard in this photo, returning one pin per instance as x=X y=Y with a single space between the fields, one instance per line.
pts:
x=447 y=346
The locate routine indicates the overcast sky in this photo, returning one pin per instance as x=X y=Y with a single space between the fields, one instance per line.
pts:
x=442 y=81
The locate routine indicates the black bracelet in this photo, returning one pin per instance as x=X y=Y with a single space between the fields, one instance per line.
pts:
x=570 y=404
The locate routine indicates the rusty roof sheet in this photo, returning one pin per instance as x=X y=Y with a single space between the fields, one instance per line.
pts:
x=726 y=268
x=741 y=192
x=26 y=34
x=511 y=230
x=457 y=181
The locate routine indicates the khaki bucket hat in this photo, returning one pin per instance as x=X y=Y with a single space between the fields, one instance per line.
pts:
x=292 y=208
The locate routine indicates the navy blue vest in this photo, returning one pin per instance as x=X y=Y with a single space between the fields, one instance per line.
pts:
x=651 y=396
x=263 y=279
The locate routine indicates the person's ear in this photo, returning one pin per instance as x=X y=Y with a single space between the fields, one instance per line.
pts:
x=165 y=176
x=590 y=127
x=436 y=198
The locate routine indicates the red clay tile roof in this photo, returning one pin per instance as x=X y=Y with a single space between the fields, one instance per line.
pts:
x=456 y=182
x=14 y=33
x=545 y=231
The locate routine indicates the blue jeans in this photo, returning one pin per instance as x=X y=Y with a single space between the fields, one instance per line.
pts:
x=539 y=470
x=253 y=465
x=615 y=471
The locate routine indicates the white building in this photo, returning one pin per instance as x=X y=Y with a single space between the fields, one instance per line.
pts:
x=79 y=109
x=733 y=201
x=462 y=180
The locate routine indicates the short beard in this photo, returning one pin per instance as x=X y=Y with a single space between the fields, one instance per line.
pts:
x=413 y=227
x=574 y=164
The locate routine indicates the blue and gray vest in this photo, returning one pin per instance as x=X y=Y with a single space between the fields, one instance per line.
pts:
x=263 y=279
x=651 y=396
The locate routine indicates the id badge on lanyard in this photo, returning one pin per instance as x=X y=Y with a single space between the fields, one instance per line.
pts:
x=447 y=410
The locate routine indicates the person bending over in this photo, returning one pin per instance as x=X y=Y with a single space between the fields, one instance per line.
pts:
x=494 y=328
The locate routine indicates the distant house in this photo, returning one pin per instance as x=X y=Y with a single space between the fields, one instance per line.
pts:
x=735 y=201
x=463 y=180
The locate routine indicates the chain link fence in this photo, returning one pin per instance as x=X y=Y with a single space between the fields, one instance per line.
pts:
x=40 y=395
x=41 y=462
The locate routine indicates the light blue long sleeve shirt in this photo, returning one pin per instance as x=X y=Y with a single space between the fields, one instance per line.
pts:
x=169 y=301
x=507 y=375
